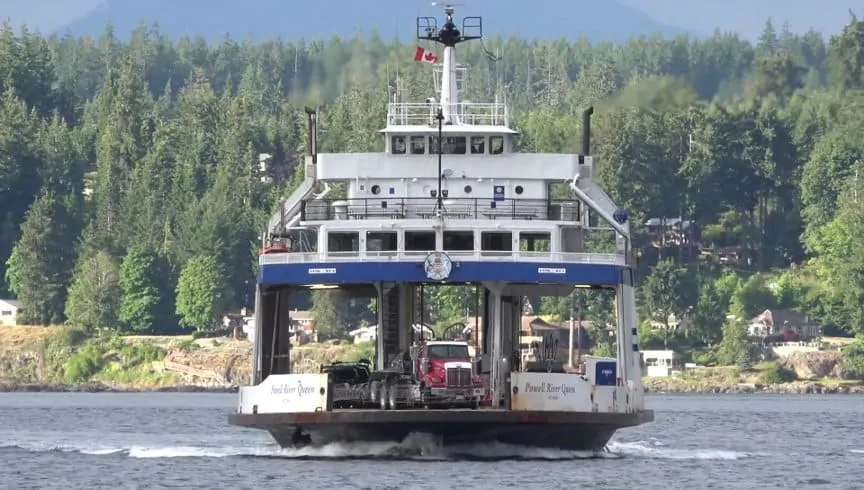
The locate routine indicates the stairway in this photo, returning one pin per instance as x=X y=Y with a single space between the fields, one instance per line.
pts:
x=389 y=328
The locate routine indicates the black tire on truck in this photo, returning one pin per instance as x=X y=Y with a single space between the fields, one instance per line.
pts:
x=392 y=397
x=382 y=395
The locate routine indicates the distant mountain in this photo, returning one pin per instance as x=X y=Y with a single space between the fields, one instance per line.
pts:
x=748 y=17
x=606 y=20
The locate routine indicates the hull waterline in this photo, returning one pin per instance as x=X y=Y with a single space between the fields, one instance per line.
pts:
x=560 y=430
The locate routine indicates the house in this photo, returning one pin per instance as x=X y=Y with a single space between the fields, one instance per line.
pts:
x=9 y=309
x=370 y=333
x=558 y=334
x=364 y=334
x=302 y=320
x=660 y=363
x=249 y=328
x=786 y=324
x=672 y=231
x=672 y=323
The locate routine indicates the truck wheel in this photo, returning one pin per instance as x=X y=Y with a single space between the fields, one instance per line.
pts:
x=374 y=392
x=382 y=396
x=392 y=397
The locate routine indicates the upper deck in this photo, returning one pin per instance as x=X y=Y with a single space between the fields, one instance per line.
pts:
x=450 y=182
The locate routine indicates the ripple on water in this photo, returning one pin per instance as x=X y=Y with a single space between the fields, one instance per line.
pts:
x=128 y=441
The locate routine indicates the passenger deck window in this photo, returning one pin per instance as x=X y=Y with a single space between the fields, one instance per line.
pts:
x=496 y=145
x=397 y=144
x=418 y=145
x=478 y=145
x=453 y=145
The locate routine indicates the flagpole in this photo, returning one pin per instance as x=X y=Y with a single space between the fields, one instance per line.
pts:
x=440 y=118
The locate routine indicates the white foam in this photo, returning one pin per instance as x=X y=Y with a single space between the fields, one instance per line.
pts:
x=658 y=450
x=424 y=447
x=856 y=451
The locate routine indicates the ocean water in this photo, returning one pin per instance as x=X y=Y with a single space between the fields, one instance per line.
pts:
x=167 y=440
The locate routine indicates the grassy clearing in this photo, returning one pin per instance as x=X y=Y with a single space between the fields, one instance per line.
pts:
x=24 y=336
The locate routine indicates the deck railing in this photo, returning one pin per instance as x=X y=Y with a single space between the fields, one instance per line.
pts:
x=427 y=208
x=420 y=114
x=455 y=255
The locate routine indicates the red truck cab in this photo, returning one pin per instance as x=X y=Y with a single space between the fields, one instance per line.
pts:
x=446 y=375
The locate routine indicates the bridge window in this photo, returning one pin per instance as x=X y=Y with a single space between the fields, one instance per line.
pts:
x=496 y=242
x=343 y=242
x=478 y=145
x=535 y=241
x=496 y=145
x=459 y=240
x=381 y=241
x=419 y=241
x=397 y=145
x=453 y=145
x=418 y=145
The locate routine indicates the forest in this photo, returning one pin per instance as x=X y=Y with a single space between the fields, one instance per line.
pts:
x=131 y=199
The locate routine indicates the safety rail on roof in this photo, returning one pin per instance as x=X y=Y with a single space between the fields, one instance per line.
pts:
x=469 y=113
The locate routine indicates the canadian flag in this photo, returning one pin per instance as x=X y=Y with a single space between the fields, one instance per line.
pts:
x=425 y=56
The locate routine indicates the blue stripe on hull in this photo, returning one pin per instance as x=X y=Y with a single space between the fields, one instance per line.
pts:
x=369 y=272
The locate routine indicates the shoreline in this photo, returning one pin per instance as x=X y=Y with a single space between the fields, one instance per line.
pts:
x=655 y=386
x=711 y=387
x=12 y=387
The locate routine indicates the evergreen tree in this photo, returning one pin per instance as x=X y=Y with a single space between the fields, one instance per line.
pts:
x=40 y=266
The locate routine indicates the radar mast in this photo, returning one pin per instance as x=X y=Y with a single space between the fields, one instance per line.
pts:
x=449 y=36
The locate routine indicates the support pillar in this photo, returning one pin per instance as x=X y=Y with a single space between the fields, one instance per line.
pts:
x=623 y=324
x=497 y=355
x=628 y=298
x=256 y=352
x=407 y=295
x=282 y=328
x=379 y=337
x=510 y=326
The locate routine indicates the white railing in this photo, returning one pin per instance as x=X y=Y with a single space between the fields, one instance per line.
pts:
x=417 y=256
x=470 y=113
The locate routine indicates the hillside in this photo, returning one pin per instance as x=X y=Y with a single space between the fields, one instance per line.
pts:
x=264 y=19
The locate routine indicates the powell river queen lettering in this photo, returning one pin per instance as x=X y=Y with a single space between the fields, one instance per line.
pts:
x=299 y=390
x=549 y=388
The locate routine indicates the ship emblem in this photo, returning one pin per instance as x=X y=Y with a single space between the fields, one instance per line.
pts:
x=438 y=266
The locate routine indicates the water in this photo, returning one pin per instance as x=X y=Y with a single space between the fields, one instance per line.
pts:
x=167 y=440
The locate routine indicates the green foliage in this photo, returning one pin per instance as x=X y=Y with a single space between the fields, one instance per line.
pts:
x=37 y=269
x=853 y=357
x=143 y=305
x=84 y=364
x=201 y=293
x=752 y=297
x=705 y=358
x=775 y=373
x=604 y=349
x=734 y=350
x=93 y=297
x=365 y=350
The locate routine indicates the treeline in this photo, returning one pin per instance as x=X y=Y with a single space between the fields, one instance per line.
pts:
x=132 y=194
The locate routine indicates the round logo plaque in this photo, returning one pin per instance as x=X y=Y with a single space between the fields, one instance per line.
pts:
x=438 y=266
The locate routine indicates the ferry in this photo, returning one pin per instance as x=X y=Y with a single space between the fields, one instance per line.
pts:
x=450 y=200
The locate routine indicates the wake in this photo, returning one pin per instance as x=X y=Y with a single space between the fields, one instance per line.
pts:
x=416 y=447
